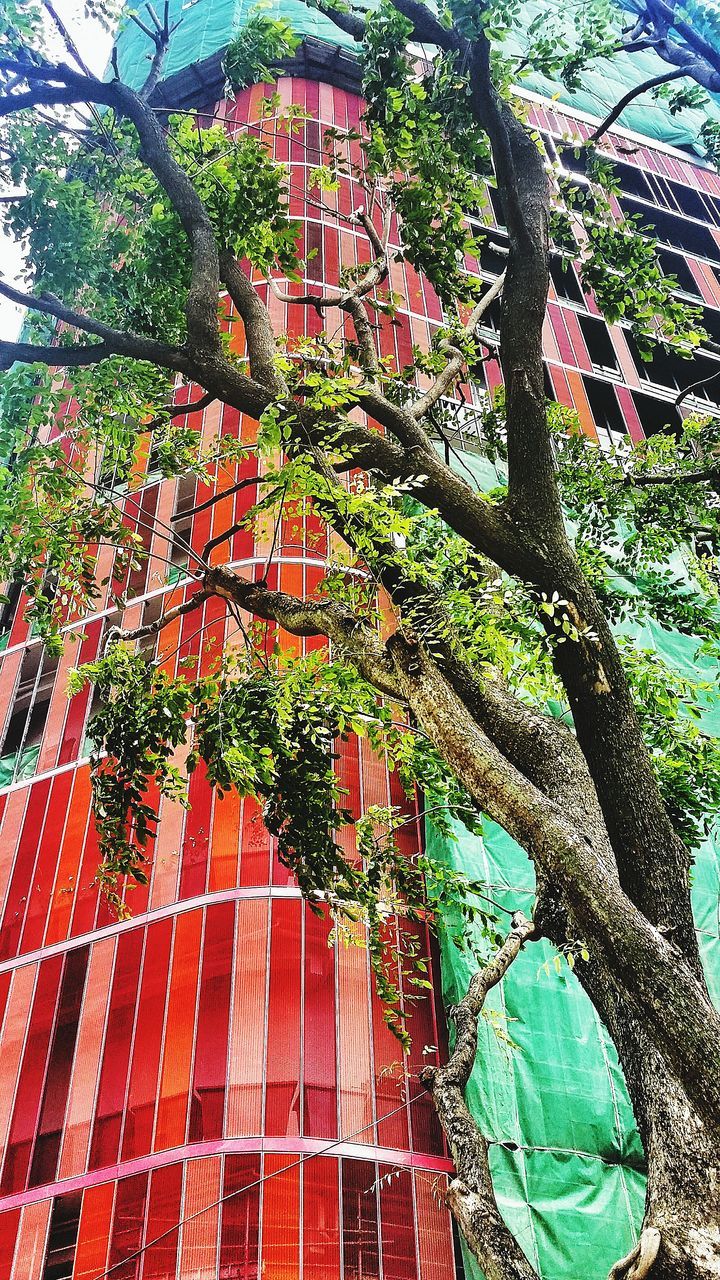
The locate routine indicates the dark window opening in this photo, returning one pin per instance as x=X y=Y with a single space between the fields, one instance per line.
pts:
x=674 y=229
x=633 y=180
x=494 y=195
x=673 y=264
x=114 y=470
x=605 y=407
x=152 y=611
x=32 y=699
x=574 y=159
x=9 y=608
x=598 y=342
x=656 y=415
x=62 y=1238
x=670 y=370
x=493 y=255
x=110 y=621
x=711 y=323
x=182 y=523
x=153 y=462
x=491 y=318
x=689 y=201
x=563 y=276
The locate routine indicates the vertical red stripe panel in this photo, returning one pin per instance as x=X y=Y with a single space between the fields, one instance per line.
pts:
x=281 y=1218
x=105 y=1145
x=128 y=1224
x=31 y=1079
x=211 y=1041
x=240 y=1218
x=319 y=1041
x=321 y=1219
x=163 y=1215
x=142 y=1091
x=360 y=1225
x=282 y=1062
x=57 y=1084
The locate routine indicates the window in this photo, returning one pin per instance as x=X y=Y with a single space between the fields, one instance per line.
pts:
x=674 y=264
x=493 y=255
x=674 y=229
x=598 y=342
x=687 y=200
x=669 y=370
x=111 y=620
x=8 y=609
x=633 y=180
x=24 y=729
x=496 y=205
x=605 y=407
x=152 y=610
x=711 y=323
x=62 y=1237
x=182 y=522
x=656 y=415
x=563 y=276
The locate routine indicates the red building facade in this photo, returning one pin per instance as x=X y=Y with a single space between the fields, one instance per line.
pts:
x=212 y=1061
x=208 y=1088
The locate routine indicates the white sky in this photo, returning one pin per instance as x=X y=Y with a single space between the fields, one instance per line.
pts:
x=93 y=44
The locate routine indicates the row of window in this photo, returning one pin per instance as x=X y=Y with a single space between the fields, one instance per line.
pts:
x=660 y=192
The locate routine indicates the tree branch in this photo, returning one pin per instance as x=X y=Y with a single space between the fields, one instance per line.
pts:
x=348 y=22
x=60 y=84
x=470 y=1195
x=653 y=83
x=259 y=336
x=116 y=634
x=710 y=476
x=454 y=367
x=694 y=386
x=114 y=341
x=639 y=1261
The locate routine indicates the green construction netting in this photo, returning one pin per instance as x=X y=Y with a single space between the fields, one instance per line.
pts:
x=607 y=80
x=566 y=1156
x=206 y=26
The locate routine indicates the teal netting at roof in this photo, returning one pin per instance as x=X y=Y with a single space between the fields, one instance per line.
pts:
x=568 y=1174
x=207 y=26
x=608 y=79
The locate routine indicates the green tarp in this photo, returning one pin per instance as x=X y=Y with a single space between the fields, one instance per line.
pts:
x=206 y=26
x=566 y=1157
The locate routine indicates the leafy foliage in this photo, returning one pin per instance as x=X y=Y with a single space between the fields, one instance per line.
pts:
x=98 y=229
x=260 y=42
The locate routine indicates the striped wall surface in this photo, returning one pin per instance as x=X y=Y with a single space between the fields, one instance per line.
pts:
x=209 y=1088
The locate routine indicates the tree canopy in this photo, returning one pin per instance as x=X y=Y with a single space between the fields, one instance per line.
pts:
x=475 y=637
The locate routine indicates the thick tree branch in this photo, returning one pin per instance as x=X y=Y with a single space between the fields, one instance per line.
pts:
x=638 y=1263
x=259 y=336
x=115 y=341
x=648 y=970
x=347 y=21
x=60 y=84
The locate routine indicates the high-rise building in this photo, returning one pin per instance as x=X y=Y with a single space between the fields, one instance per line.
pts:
x=208 y=1089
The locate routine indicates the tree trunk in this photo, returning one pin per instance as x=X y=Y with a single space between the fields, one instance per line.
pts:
x=682 y=1151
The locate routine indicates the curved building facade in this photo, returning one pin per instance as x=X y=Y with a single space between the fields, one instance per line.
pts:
x=208 y=1089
